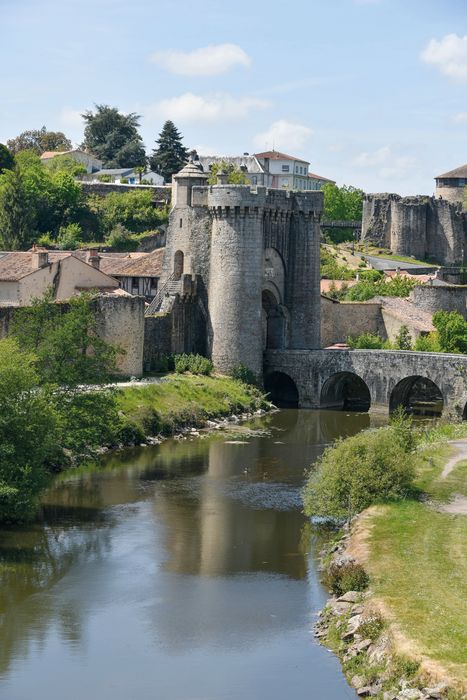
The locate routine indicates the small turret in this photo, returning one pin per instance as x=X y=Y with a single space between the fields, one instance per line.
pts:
x=190 y=175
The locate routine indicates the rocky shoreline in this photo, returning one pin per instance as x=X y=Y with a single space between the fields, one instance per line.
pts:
x=352 y=627
x=190 y=432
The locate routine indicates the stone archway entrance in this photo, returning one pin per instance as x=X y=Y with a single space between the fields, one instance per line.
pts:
x=274 y=322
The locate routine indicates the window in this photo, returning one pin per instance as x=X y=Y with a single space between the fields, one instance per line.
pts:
x=296 y=168
x=254 y=180
x=285 y=168
x=181 y=223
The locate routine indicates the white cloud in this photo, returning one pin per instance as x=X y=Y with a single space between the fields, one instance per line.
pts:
x=460 y=118
x=283 y=135
x=210 y=60
x=386 y=163
x=198 y=108
x=449 y=55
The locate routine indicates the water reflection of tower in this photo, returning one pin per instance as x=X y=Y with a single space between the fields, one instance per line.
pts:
x=224 y=523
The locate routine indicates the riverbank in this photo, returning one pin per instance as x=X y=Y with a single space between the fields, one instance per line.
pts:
x=416 y=606
x=182 y=401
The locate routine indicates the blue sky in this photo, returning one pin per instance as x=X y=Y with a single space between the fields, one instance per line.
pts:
x=371 y=92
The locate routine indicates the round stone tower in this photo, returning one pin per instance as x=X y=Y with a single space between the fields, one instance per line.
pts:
x=236 y=274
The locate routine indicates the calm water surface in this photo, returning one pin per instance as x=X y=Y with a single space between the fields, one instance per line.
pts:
x=179 y=572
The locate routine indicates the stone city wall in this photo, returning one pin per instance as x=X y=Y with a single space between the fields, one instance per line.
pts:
x=423 y=227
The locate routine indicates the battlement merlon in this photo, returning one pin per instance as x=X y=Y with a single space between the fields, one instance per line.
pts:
x=244 y=199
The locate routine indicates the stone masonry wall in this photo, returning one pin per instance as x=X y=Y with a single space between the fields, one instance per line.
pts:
x=435 y=298
x=342 y=320
x=422 y=227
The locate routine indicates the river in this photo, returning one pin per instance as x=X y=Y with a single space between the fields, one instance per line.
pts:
x=179 y=572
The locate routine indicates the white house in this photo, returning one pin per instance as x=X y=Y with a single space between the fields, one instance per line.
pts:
x=289 y=172
x=128 y=176
x=90 y=162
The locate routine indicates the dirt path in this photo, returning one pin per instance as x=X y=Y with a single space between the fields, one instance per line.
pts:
x=458 y=504
x=461 y=453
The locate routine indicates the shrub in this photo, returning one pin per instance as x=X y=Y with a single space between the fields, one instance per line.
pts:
x=403 y=340
x=163 y=363
x=452 y=331
x=369 y=275
x=355 y=473
x=346 y=577
x=69 y=237
x=371 y=627
x=243 y=374
x=366 y=341
x=129 y=433
x=121 y=239
x=428 y=343
x=196 y=364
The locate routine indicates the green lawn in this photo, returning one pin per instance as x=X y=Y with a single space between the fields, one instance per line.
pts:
x=181 y=400
x=418 y=565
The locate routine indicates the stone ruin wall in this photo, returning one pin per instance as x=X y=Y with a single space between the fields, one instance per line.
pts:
x=423 y=227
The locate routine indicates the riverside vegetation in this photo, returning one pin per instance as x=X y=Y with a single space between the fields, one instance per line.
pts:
x=450 y=335
x=57 y=407
x=408 y=631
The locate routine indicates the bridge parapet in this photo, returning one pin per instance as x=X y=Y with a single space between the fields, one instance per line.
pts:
x=387 y=374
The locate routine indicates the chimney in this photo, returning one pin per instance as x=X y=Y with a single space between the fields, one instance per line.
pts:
x=93 y=258
x=222 y=178
x=39 y=257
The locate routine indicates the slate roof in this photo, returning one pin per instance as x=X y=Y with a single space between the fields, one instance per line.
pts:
x=406 y=311
x=457 y=172
x=250 y=162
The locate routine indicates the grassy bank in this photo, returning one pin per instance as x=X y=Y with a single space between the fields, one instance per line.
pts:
x=412 y=545
x=184 y=400
x=417 y=560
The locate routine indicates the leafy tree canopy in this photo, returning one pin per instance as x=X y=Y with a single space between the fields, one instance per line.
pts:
x=113 y=137
x=235 y=176
x=451 y=331
x=40 y=140
x=28 y=433
x=342 y=203
x=170 y=155
x=7 y=159
x=65 y=164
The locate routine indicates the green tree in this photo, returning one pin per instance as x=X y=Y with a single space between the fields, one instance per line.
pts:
x=70 y=356
x=28 y=433
x=342 y=204
x=357 y=472
x=113 y=137
x=7 y=159
x=39 y=140
x=65 y=164
x=451 y=330
x=428 y=342
x=235 y=176
x=403 y=339
x=17 y=215
x=170 y=155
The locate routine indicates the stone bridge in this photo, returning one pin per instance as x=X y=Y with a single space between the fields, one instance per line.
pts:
x=424 y=383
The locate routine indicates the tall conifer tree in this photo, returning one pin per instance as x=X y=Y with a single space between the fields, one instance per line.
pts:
x=171 y=155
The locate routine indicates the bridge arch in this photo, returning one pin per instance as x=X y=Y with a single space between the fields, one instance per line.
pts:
x=282 y=389
x=345 y=391
x=418 y=395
